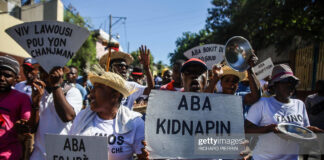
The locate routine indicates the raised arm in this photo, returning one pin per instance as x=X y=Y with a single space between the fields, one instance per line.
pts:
x=217 y=72
x=144 y=57
x=63 y=109
x=255 y=94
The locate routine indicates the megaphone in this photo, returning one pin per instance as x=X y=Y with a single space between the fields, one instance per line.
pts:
x=238 y=50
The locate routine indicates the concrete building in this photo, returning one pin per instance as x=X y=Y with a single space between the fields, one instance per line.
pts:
x=12 y=13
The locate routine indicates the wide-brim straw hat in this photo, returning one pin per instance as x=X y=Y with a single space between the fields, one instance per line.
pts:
x=229 y=71
x=116 y=55
x=280 y=72
x=112 y=80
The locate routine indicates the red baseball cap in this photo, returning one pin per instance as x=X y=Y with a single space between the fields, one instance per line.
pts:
x=194 y=61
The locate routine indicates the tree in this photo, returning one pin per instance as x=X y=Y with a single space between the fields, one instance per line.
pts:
x=186 y=42
x=86 y=55
x=279 y=22
x=263 y=23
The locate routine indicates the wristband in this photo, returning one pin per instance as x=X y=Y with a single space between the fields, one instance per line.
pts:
x=55 y=88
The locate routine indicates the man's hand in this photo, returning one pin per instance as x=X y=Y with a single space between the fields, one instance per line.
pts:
x=144 y=56
x=145 y=154
x=38 y=89
x=21 y=126
x=253 y=60
x=56 y=77
x=315 y=129
x=246 y=153
x=217 y=71
x=273 y=128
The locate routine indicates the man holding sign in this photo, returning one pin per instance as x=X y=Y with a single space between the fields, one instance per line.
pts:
x=57 y=108
x=52 y=44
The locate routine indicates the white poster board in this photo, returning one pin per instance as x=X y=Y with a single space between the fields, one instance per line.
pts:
x=76 y=147
x=209 y=53
x=51 y=43
x=176 y=122
x=264 y=69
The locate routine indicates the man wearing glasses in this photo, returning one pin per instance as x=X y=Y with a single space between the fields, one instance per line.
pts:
x=119 y=62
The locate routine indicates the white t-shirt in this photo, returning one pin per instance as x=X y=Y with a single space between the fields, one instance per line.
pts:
x=270 y=111
x=22 y=87
x=129 y=101
x=50 y=122
x=120 y=146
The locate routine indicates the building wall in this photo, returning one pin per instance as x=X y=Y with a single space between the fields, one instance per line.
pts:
x=3 y=6
x=32 y=12
x=8 y=45
x=51 y=10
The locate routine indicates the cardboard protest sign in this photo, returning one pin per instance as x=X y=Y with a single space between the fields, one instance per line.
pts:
x=210 y=53
x=179 y=124
x=51 y=43
x=66 y=147
x=264 y=69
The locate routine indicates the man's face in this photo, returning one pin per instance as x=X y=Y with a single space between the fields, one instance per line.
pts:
x=30 y=73
x=137 y=78
x=7 y=79
x=72 y=75
x=166 y=77
x=102 y=96
x=176 y=74
x=120 y=67
x=192 y=78
x=229 y=84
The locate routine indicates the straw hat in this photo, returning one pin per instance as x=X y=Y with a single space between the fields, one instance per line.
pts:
x=116 y=55
x=110 y=79
x=229 y=71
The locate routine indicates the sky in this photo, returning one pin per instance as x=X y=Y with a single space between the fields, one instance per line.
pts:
x=154 y=23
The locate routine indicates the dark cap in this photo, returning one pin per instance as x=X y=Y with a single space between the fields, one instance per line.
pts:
x=29 y=62
x=194 y=61
x=137 y=71
x=10 y=63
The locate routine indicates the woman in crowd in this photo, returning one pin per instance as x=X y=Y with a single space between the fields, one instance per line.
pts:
x=230 y=81
x=264 y=116
x=107 y=117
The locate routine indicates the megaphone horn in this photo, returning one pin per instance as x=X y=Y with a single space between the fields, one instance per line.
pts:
x=238 y=50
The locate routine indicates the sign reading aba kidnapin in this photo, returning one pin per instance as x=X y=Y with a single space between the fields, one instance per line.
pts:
x=177 y=123
x=51 y=43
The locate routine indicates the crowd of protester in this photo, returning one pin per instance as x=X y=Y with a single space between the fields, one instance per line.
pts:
x=101 y=101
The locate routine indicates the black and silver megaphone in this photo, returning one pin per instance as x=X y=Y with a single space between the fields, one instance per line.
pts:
x=238 y=50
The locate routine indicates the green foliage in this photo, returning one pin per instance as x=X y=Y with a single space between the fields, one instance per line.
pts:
x=262 y=22
x=186 y=42
x=86 y=55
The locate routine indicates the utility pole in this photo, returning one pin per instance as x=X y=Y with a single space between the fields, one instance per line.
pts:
x=109 y=47
x=110 y=44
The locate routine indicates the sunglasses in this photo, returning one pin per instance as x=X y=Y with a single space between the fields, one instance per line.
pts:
x=120 y=65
